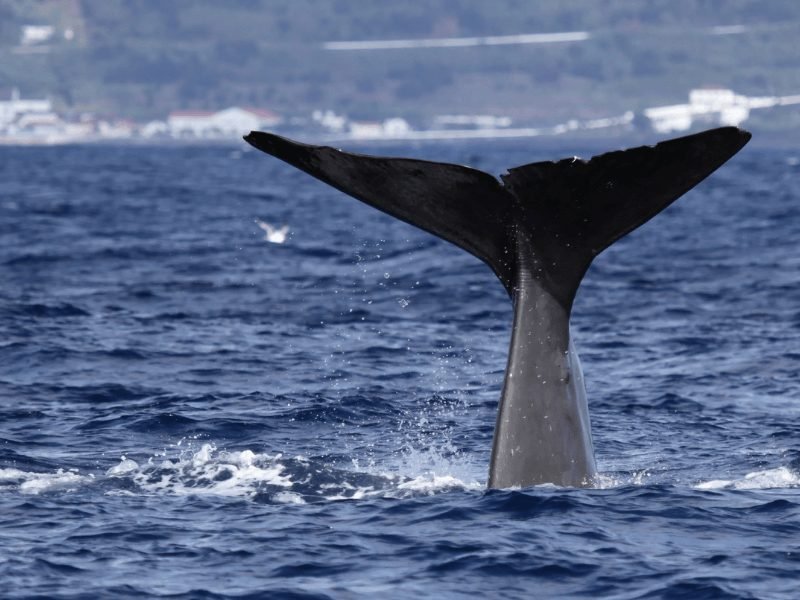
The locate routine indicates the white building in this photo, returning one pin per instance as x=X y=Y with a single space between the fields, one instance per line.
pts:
x=723 y=106
x=15 y=110
x=35 y=122
x=330 y=120
x=366 y=130
x=474 y=121
x=666 y=119
x=154 y=129
x=396 y=127
x=31 y=35
x=228 y=123
x=189 y=123
x=716 y=106
x=116 y=130
x=391 y=129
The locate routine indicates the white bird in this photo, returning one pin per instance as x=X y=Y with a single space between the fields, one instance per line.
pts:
x=271 y=234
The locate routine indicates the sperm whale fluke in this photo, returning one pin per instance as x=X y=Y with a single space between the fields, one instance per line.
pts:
x=539 y=230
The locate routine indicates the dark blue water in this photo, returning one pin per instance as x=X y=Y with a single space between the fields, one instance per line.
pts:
x=187 y=410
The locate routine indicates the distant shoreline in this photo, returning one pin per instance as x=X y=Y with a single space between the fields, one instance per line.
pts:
x=761 y=139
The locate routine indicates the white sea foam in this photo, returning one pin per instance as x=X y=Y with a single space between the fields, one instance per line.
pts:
x=607 y=482
x=212 y=472
x=780 y=477
x=29 y=482
x=247 y=474
x=288 y=498
x=432 y=483
x=125 y=467
x=208 y=472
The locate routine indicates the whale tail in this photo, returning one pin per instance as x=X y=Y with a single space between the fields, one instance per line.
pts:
x=549 y=219
x=539 y=230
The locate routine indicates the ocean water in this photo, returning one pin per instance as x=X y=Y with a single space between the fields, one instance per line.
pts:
x=190 y=411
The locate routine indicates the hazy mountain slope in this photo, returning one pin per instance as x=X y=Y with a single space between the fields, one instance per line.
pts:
x=142 y=58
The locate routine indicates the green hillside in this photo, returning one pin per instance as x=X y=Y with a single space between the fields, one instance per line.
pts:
x=143 y=58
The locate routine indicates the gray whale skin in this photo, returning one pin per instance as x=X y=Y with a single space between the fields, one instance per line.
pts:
x=539 y=227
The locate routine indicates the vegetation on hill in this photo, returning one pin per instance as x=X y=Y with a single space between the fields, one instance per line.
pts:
x=143 y=58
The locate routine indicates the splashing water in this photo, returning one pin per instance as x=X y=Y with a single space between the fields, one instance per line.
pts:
x=259 y=476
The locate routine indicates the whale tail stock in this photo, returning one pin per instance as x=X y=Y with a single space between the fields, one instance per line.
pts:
x=539 y=230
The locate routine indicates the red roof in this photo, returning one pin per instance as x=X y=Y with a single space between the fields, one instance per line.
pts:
x=261 y=112
x=191 y=113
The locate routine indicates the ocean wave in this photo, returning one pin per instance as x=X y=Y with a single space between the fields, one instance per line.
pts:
x=277 y=479
x=780 y=477
x=29 y=482
x=45 y=311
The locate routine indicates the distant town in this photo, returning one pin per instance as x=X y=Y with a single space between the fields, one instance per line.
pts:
x=34 y=121
x=26 y=120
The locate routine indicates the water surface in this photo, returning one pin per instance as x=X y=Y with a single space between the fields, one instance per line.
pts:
x=187 y=410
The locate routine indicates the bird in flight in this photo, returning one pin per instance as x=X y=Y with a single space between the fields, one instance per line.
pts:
x=272 y=234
